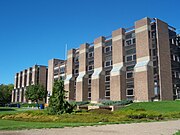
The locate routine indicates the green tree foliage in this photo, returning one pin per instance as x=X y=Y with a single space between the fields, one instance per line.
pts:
x=57 y=102
x=5 y=93
x=35 y=93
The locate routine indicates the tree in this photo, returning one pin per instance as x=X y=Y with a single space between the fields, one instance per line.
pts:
x=35 y=93
x=57 y=102
x=5 y=93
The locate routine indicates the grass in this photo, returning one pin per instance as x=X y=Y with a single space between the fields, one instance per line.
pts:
x=162 y=107
x=14 y=118
x=20 y=125
x=177 y=133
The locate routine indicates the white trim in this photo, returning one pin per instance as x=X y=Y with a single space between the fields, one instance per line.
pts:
x=80 y=76
x=97 y=72
x=117 y=68
x=143 y=28
x=119 y=37
x=98 y=45
x=82 y=51
x=69 y=56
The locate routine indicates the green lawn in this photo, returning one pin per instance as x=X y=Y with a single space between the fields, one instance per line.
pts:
x=136 y=112
x=162 y=107
x=19 y=125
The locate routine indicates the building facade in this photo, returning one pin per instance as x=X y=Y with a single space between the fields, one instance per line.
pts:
x=141 y=63
x=56 y=70
x=31 y=76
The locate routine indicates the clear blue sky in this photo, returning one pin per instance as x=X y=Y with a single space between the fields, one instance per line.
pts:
x=34 y=31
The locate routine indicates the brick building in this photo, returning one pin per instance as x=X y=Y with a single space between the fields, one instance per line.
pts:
x=31 y=76
x=140 y=63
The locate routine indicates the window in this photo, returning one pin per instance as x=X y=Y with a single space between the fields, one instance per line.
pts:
x=107 y=93
x=154 y=63
x=154 y=52
x=129 y=75
x=108 y=49
x=90 y=55
x=107 y=78
x=76 y=59
x=130 y=58
x=128 y=42
x=89 y=81
x=62 y=70
x=89 y=94
x=130 y=92
x=134 y=40
x=76 y=71
x=108 y=63
x=90 y=67
x=173 y=74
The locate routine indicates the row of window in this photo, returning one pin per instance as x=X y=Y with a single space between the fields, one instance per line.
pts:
x=176 y=74
x=129 y=92
x=175 y=58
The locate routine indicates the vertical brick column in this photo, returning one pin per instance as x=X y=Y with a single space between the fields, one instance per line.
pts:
x=20 y=86
x=50 y=81
x=13 y=96
x=143 y=71
x=24 y=77
x=43 y=76
x=28 y=81
x=98 y=77
x=19 y=80
x=16 y=95
x=34 y=75
x=69 y=81
x=164 y=61
x=118 y=73
x=82 y=79
x=20 y=95
x=15 y=88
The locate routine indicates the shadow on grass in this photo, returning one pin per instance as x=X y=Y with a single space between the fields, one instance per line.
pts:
x=6 y=109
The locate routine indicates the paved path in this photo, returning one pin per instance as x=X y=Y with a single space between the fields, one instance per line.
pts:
x=153 y=128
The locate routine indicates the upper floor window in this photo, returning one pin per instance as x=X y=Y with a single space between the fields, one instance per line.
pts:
x=130 y=58
x=107 y=49
x=108 y=63
x=90 y=67
x=91 y=54
x=129 y=75
x=130 y=92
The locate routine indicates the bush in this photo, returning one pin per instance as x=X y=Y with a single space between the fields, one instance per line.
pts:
x=123 y=102
x=82 y=103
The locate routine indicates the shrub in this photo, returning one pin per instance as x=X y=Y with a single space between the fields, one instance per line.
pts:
x=109 y=102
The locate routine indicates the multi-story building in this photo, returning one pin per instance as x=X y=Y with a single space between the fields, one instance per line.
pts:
x=56 y=70
x=141 y=63
x=31 y=76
